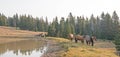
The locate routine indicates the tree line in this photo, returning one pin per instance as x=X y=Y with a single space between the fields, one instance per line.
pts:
x=104 y=26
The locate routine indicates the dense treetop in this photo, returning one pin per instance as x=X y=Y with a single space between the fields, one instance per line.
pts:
x=104 y=26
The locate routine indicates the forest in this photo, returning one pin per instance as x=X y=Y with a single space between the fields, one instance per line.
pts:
x=104 y=26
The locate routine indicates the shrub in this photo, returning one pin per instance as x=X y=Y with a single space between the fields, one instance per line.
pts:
x=117 y=42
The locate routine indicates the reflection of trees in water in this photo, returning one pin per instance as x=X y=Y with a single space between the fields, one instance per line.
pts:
x=24 y=47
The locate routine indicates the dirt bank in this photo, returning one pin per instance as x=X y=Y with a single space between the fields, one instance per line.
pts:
x=53 y=49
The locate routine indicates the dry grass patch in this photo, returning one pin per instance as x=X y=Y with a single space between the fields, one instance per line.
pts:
x=10 y=31
x=71 y=49
x=60 y=40
x=10 y=34
x=89 y=52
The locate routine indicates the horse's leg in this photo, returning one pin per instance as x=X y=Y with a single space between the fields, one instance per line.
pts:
x=71 y=39
x=76 y=40
x=82 y=41
x=87 y=42
x=92 y=43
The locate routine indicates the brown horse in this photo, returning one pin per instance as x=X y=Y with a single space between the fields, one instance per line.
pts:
x=42 y=34
x=79 y=37
x=71 y=36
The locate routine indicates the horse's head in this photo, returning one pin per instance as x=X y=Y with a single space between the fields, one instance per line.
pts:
x=71 y=35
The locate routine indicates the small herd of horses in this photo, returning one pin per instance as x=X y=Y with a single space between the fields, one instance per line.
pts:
x=89 y=39
x=42 y=34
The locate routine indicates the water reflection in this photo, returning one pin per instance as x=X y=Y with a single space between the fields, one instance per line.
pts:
x=26 y=48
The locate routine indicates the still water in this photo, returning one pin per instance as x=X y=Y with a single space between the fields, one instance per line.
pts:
x=26 y=48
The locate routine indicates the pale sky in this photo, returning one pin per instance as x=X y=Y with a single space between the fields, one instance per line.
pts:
x=60 y=8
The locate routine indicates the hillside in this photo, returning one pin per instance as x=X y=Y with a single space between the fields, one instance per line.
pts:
x=11 y=31
x=10 y=34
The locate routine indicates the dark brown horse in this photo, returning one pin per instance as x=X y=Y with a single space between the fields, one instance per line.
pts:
x=42 y=34
x=80 y=38
x=93 y=38
x=90 y=40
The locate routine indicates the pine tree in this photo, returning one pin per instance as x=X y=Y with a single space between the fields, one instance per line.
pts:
x=23 y=22
x=78 y=26
x=98 y=29
x=117 y=40
x=3 y=20
x=92 y=25
x=68 y=27
x=46 y=25
x=10 y=21
x=56 y=26
x=42 y=24
x=50 y=31
x=71 y=20
x=106 y=26
x=102 y=26
x=62 y=27
x=115 y=25
x=15 y=20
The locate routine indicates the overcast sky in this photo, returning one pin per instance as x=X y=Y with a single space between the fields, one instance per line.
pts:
x=60 y=8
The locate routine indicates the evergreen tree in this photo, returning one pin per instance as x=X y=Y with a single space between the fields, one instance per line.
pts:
x=117 y=40
x=15 y=20
x=38 y=24
x=107 y=27
x=23 y=22
x=42 y=24
x=86 y=27
x=78 y=26
x=115 y=25
x=62 y=28
x=3 y=20
x=82 y=25
x=50 y=32
x=53 y=28
x=56 y=26
x=46 y=25
x=10 y=21
x=92 y=25
x=71 y=20
x=68 y=27
x=98 y=29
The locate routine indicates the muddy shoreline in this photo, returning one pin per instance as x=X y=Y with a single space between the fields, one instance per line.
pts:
x=53 y=49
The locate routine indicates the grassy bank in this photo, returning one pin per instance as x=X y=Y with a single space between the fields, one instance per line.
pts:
x=71 y=49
